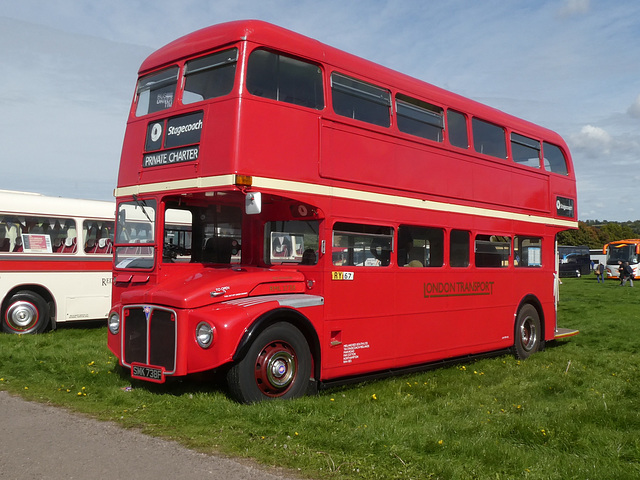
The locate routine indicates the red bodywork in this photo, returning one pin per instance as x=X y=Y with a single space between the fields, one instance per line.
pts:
x=345 y=171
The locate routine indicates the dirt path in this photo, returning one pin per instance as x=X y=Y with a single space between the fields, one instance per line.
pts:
x=40 y=441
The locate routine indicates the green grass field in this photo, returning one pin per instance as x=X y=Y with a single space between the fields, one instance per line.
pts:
x=568 y=412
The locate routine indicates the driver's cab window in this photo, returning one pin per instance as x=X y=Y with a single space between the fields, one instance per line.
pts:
x=135 y=234
x=202 y=234
x=178 y=234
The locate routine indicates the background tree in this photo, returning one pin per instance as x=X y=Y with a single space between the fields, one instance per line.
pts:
x=595 y=234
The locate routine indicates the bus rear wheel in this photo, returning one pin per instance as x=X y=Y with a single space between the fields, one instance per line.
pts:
x=527 y=332
x=277 y=365
x=26 y=312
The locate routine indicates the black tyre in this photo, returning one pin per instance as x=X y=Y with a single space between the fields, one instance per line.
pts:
x=277 y=365
x=26 y=312
x=527 y=332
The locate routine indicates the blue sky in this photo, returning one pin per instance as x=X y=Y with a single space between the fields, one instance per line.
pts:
x=69 y=71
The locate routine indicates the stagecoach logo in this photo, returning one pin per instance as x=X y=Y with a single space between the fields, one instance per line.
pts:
x=564 y=207
x=156 y=132
x=165 y=135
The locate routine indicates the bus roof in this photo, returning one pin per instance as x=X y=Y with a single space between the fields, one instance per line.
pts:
x=20 y=203
x=287 y=41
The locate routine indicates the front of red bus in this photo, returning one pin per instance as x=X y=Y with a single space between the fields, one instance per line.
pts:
x=201 y=256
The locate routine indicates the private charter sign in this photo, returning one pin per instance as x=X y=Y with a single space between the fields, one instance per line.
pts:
x=173 y=140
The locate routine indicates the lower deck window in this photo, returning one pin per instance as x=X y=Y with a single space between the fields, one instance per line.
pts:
x=459 y=241
x=527 y=252
x=420 y=246
x=361 y=245
x=492 y=251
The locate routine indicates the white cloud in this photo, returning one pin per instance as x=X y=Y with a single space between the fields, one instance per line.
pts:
x=592 y=141
x=574 y=7
x=634 y=108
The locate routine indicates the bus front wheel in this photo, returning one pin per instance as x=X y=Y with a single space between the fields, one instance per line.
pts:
x=277 y=365
x=26 y=312
x=527 y=332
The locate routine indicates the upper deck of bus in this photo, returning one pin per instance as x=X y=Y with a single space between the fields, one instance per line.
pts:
x=507 y=184
x=289 y=42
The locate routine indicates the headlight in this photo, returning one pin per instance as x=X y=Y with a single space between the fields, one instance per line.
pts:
x=204 y=334
x=114 y=323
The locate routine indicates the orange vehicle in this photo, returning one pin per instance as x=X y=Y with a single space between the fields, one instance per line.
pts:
x=622 y=251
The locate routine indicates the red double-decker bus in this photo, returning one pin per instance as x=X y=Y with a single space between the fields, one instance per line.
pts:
x=293 y=216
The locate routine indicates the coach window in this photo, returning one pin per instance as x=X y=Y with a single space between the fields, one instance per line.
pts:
x=457 y=128
x=459 y=241
x=554 y=160
x=492 y=251
x=360 y=101
x=420 y=246
x=98 y=236
x=209 y=77
x=525 y=150
x=285 y=79
x=419 y=118
x=361 y=245
x=488 y=139
x=156 y=92
x=527 y=251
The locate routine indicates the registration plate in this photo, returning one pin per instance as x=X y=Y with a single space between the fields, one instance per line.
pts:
x=148 y=373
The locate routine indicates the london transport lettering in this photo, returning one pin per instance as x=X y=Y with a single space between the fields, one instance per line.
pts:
x=457 y=289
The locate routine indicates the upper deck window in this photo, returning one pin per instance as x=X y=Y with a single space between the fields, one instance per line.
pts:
x=457 y=125
x=419 y=118
x=360 y=101
x=209 y=77
x=488 y=138
x=525 y=150
x=554 y=160
x=285 y=79
x=157 y=91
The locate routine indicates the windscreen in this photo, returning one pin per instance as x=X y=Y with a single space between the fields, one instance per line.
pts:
x=135 y=234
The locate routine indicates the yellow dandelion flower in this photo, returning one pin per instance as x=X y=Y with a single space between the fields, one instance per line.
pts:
x=374 y=396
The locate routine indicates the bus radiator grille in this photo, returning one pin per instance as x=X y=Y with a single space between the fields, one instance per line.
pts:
x=150 y=338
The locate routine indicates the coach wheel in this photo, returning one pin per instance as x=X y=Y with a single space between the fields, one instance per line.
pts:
x=277 y=365
x=26 y=312
x=527 y=332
